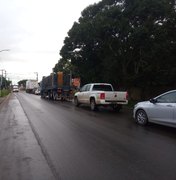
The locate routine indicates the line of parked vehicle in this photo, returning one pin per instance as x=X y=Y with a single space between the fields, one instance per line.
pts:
x=160 y=110
x=60 y=86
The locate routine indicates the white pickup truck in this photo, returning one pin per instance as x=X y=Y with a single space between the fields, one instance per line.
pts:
x=100 y=94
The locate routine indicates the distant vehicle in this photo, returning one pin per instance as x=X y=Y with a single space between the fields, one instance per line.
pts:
x=160 y=110
x=31 y=86
x=15 y=88
x=37 y=91
x=59 y=86
x=100 y=94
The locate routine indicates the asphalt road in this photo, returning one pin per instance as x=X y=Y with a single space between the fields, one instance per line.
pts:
x=78 y=144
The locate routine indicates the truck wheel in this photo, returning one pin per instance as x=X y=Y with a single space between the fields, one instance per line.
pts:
x=50 y=96
x=44 y=95
x=93 y=106
x=76 y=102
x=117 y=107
x=55 y=96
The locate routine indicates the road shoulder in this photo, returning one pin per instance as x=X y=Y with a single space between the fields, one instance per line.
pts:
x=20 y=154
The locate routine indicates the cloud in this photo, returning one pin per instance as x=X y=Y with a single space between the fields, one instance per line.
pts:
x=34 y=31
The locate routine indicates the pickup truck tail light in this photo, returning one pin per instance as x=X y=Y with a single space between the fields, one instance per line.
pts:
x=126 y=95
x=102 y=95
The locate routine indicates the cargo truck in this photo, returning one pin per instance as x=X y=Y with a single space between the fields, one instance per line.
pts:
x=59 y=86
x=31 y=85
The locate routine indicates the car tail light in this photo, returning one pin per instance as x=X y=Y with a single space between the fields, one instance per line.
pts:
x=102 y=95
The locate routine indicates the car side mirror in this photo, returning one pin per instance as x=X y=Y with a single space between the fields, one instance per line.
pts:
x=153 y=100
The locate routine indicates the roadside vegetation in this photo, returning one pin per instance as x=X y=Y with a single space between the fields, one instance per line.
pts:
x=4 y=92
x=128 y=43
x=5 y=87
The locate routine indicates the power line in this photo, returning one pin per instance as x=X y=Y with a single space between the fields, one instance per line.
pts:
x=4 y=50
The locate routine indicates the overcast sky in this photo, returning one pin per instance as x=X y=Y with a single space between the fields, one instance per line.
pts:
x=34 y=31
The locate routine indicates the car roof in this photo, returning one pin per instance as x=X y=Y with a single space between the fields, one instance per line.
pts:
x=166 y=93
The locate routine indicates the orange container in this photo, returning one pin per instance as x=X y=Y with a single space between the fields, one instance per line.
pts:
x=60 y=79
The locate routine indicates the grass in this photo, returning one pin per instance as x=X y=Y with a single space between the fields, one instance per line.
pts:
x=4 y=92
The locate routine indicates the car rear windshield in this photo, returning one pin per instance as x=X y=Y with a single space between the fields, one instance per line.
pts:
x=102 y=88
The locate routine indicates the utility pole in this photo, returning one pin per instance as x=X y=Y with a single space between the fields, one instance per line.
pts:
x=4 y=50
x=5 y=78
x=2 y=73
x=1 y=77
x=36 y=75
x=1 y=83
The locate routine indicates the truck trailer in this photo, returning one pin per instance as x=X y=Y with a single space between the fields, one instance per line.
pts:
x=31 y=85
x=59 y=86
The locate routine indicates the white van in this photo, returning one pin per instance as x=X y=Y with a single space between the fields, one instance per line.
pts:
x=15 y=88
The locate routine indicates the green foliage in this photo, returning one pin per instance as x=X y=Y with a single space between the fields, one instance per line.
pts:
x=22 y=82
x=123 y=42
x=5 y=83
x=4 y=92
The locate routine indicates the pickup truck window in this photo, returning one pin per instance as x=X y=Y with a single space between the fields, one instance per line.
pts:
x=88 y=87
x=102 y=88
x=83 y=88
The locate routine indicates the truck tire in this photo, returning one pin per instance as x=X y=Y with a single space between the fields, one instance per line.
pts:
x=76 y=102
x=55 y=96
x=43 y=95
x=93 y=106
x=50 y=96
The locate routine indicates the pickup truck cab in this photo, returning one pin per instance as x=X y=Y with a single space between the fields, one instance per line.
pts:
x=100 y=94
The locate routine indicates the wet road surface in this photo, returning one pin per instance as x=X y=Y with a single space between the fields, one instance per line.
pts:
x=78 y=144
x=21 y=157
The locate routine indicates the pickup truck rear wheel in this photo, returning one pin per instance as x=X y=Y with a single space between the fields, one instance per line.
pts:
x=76 y=102
x=93 y=106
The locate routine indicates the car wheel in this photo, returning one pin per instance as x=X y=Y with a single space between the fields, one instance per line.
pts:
x=141 y=117
x=76 y=102
x=93 y=106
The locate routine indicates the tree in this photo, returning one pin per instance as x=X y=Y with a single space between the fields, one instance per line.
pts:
x=124 y=42
x=5 y=83
x=22 y=83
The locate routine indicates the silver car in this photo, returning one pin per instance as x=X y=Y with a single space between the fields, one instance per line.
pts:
x=160 y=110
